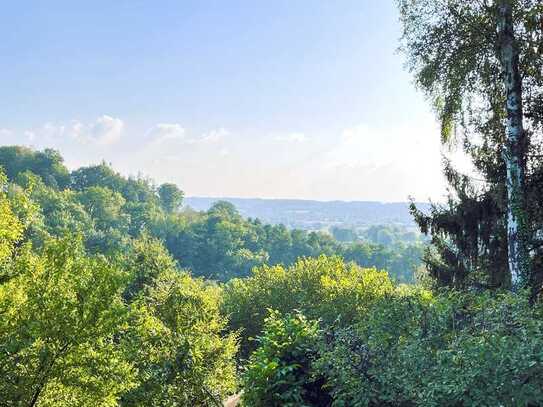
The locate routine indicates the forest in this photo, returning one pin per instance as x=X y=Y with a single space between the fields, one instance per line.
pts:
x=114 y=293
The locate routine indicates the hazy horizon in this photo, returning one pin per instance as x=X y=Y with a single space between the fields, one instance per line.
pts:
x=279 y=101
x=295 y=199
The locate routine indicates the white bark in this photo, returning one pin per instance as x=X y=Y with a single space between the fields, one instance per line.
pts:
x=514 y=152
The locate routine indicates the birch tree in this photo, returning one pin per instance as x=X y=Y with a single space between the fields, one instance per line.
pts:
x=474 y=60
x=515 y=145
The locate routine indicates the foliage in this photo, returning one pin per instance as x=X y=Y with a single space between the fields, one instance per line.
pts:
x=95 y=309
x=11 y=228
x=81 y=330
x=110 y=210
x=324 y=288
x=60 y=314
x=47 y=164
x=176 y=342
x=171 y=197
x=145 y=261
x=279 y=372
x=400 y=261
x=453 y=52
x=390 y=235
x=106 y=317
x=466 y=349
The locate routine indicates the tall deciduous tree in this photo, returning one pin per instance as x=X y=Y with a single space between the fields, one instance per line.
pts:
x=515 y=146
x=474 y=59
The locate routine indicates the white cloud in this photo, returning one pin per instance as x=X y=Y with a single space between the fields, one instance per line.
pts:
x=166 y=131
x=105 y=130
x=294 y=137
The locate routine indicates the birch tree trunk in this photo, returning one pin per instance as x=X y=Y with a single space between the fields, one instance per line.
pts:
x=515 y=148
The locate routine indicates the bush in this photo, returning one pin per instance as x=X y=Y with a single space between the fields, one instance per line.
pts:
x=450 y=350
x=324 y=288
x=279 y=372
x=410 y=347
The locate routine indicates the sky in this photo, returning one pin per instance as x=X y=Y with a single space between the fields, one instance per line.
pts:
x=273 y=99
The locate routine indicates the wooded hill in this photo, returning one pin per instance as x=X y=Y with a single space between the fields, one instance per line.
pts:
x=109 y=210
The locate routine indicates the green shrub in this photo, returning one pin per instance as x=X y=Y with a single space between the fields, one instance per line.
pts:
x=451 y=350
x=279 y=372
x=324 y=288
x=383 y=345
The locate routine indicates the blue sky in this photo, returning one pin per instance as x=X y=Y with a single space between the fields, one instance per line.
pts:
x=298 y=99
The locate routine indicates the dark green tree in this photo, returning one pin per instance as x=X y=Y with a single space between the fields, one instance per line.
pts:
x=47 y=164
x=171 y=197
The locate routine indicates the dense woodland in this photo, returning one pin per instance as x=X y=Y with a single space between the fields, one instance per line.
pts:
x=112 y=294
x=109 y=210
